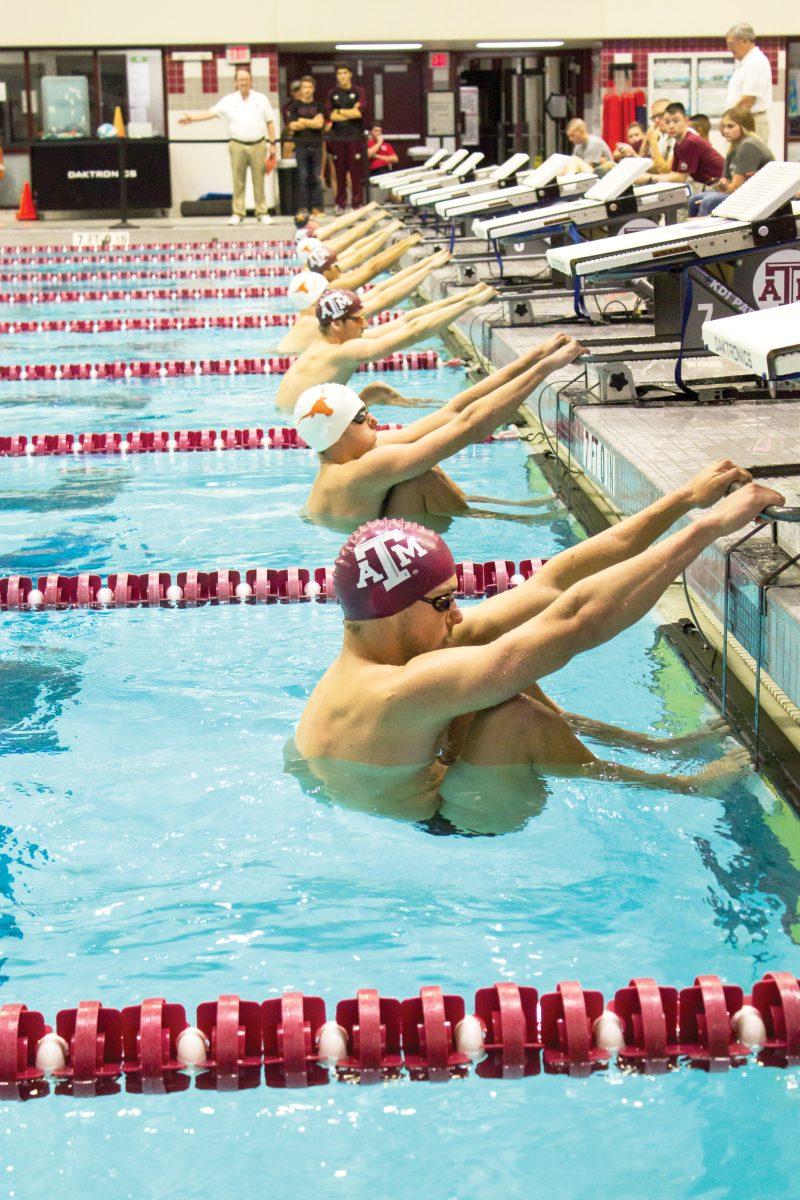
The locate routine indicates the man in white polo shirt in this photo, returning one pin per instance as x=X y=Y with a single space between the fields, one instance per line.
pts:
x=750 y=85
x=252 y=130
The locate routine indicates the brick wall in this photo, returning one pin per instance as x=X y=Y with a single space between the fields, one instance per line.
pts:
x=638 y=51
x=198 y=85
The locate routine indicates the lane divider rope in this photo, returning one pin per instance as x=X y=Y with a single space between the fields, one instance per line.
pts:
x=159 y=324
x=162 y=441
x=154 y=441
x=512 y=1032
x=256 y=585
x=127 y=275
x=415 y=360
x=35 y=249
x=178 y=295
x=224 y=254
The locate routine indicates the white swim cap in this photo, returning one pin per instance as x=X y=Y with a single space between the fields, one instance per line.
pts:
x=306 y=288
x=307 y=245
x=324 y=411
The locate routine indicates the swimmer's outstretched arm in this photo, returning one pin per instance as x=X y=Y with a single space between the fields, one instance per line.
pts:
x=621 y=542
x=389 y=464
x=368 y=349
x=423 y=310
x=335 y=226
x=446 y=683
x=402 y=284
x=569 y=347
x=381 y=262
x=341 y=241
x=367 y=246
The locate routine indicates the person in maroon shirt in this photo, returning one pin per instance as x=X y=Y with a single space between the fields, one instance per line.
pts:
x=693 y=157
x=347 y=116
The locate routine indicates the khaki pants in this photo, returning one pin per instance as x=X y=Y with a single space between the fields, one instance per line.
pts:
x=253 y=156
x=762 y=126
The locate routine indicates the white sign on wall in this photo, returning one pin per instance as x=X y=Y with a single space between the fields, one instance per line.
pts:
x=441 y=114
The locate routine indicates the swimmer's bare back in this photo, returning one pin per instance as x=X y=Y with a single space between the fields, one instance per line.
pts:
x=300 y=335
x=339 y=491
x=321 y=362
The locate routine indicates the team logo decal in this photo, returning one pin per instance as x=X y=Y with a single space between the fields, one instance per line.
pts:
x=777 y=279
x=318 y=257
x=385 y=559
x=320 y=408
x=334 y=305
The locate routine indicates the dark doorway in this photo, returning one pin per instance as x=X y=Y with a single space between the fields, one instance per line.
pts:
x=395 y=87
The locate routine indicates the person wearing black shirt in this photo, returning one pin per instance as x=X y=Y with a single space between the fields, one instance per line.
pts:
x=305 y=118
x=347 y=113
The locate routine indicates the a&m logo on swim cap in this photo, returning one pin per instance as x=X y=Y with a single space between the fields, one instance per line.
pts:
x=334 y=305
x=319 y=257
x=391 y=554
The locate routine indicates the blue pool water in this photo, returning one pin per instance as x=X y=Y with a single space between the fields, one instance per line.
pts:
x=207 y=402
x=150 y=844
x=184 y=306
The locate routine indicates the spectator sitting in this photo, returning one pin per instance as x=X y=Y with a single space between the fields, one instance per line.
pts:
x=588 y=148
x=634 y=145
x=658 y=144
x=746 y=155
x=692 y=157
x=380 y=154
x=701 y=124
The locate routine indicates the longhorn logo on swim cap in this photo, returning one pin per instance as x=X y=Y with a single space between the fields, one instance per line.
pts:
x=386 y=566
x=338 y=303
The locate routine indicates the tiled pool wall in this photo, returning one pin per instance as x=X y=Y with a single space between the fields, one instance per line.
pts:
x=627 y=486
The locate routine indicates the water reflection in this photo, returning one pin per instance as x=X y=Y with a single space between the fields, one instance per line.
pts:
x=34 y=689
x=761 y=875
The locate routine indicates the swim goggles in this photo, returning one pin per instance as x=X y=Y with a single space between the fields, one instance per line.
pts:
x=440 y=603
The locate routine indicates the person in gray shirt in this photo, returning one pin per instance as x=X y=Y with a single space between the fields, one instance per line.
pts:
x=747 y=153
x=588 y=147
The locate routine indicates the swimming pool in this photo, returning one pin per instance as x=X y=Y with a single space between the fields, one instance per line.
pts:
x=152 y=845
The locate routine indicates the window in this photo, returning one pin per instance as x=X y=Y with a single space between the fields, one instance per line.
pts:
x=63 y=93
x=13 y=106
x=133 y=81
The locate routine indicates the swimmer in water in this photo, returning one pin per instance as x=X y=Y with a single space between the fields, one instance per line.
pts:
x=343 y=348
x=365 y=474
x=421 y=692
x=343 y=231
x=307 y=287
x=356 y=270
x=329 y=227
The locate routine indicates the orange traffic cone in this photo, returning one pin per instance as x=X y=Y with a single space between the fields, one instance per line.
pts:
x=118 y=122
x=27 y=209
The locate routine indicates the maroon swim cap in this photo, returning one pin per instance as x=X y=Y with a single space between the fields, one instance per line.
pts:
x=387 y=565
x=337 y=303
x=320 y=259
